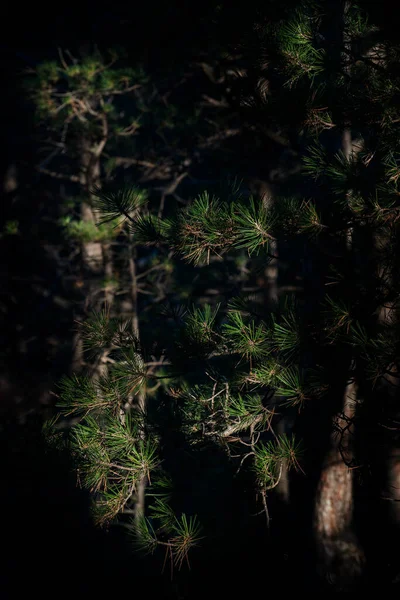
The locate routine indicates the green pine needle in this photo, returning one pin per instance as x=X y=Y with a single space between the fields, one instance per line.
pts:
x=248 y=339
x=187 y=536
x=163 y=514
x=148 y=229
x=100 y=330
x=78 y=395
x=254 y=226
x=124 y=202
x=143 y=536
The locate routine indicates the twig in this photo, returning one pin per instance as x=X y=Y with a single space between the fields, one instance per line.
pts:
x=169 y=190
x=56 y=175
x=120 y=160
x=62 y=60
x=155 y=268
x=264 y=501
x=390 y=499
x=124 y=91
x=242 y=461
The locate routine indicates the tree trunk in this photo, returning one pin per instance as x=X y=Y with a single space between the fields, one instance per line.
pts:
x=271 y=274
x=341 y=558
x=340 y=554
x=141 y=396
x=96 y=256
x=388 y=314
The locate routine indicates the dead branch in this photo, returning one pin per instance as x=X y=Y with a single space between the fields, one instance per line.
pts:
x=56 y=175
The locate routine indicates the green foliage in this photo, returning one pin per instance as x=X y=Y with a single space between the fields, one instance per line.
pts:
x=79 y=395
x=246 y=304
x=297 y=44
x=185 y=535
x=124 y=202
x=310 y=220
x=268 y=460
x=113 y=443
x=199 y=329
x=288 y=216
x=338 y=317
x=148 y=229
x=204 y=227
x=144 y=536
x=79 y=89
x=143 y=457
x=110 y=503
x=11 y=227
x=113 y=455
x=248 y=411
x=187 y=532
x=292 y=385
x=254 y=225
x=287 y=334
x=100 y=330
x=87 y=231
x=249 y=339
x=130 y=371
x=316 y=161
x=164 y=514
x=223 y=369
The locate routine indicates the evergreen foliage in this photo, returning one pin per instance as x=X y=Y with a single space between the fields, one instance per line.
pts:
x=228 y=371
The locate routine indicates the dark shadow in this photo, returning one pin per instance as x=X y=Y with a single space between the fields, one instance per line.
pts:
x=51 y=545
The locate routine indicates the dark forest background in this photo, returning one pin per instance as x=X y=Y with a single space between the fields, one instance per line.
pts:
x=49 y=544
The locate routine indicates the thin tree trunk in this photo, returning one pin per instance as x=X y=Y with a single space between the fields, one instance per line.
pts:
x=271 y=274
x=10 y=182
x=141 y=396
x=96 y=256
x=341 y=558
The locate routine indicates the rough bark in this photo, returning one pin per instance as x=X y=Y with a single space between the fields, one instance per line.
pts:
x=341 y=557
x=340 y=553
x=388 y=314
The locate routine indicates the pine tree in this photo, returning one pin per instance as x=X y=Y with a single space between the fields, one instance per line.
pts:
x=330 y=354
x=79 y=109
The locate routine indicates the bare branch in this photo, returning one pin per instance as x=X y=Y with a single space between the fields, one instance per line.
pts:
x=62 y=60
x=233 y=428
x=74 y=60
x=214 y=102
x=242 y=461
x=103 y=141
x=131 y=130
x=155 y=268
x=121 y=160
x=219 y=137
x=124 y=91
x=56 y=175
